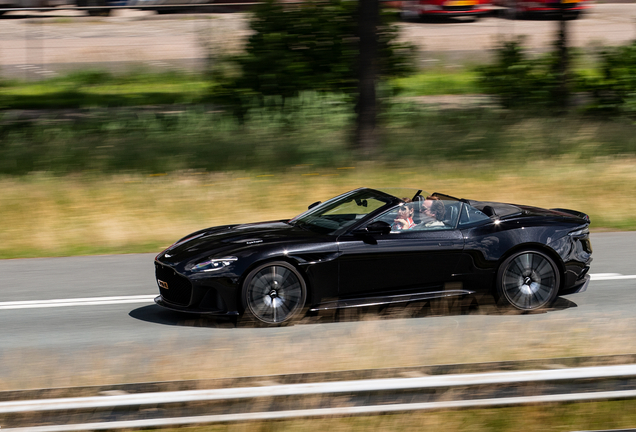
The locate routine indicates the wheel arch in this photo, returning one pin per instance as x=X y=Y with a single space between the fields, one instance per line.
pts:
x=532 y=246
x=265 y=261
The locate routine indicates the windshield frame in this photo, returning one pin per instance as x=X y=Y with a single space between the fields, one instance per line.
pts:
x=380 y=194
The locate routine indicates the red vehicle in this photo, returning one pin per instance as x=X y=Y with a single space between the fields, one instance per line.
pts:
x=445 y=8
x=548 y=8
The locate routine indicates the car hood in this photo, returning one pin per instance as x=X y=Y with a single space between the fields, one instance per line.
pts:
x=232 y=239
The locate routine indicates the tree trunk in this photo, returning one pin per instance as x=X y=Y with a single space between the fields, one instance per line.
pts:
x=563 y=92
x=366 y=140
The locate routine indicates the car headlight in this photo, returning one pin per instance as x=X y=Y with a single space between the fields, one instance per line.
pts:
x=213 y=264
x=582 y=233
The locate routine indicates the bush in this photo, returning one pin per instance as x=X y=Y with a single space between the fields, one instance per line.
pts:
x=614 y=89
x=520 y=81
x=106 y=141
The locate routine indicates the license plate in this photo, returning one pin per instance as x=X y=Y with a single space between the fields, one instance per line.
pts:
x=162 y=284
x=460 y=3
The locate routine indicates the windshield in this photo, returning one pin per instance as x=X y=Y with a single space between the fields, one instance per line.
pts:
x=336 y=215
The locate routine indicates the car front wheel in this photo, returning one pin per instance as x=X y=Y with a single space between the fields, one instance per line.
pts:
x=274 y=293
x=527 y=280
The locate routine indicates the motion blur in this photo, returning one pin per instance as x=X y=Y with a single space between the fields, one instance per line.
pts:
x=125 y=126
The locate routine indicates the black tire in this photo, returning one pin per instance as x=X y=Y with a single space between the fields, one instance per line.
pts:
x=527 y=280
x=99 y=13
x=95 y=12
x=274 y=293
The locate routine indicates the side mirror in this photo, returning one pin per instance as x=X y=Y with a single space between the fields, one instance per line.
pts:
x=377 y=227
x=313 y=205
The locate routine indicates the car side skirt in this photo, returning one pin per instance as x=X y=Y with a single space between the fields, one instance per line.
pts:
x=382 y=300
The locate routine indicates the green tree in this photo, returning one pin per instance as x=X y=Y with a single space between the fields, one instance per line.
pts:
x=312 y=46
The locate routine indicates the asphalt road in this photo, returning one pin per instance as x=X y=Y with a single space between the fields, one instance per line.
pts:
x=42 y=44
x=44 y=346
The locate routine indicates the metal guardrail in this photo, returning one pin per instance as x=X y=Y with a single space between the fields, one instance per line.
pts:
x=316 y=399
x=356 y=386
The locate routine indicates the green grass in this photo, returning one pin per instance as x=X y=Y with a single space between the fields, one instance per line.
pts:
x=509 y=156
x=101 y=89
x=438 y=82
x=313 y=129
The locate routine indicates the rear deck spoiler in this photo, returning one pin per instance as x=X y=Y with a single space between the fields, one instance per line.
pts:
x=574 y=213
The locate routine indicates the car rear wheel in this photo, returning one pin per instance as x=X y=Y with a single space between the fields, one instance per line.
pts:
x=527 y=280
x=274 y=293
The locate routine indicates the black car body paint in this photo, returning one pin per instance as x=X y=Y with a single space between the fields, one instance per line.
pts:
x=342 y=266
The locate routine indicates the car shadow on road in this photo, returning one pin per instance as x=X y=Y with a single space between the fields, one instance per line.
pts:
x=158 y=315
x=429 y=309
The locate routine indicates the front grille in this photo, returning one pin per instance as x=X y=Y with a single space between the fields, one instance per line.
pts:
x=179 y=291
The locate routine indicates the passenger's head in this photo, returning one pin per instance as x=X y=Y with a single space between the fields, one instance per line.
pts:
x=433 y=208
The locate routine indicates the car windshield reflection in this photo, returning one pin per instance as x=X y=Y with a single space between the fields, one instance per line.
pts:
x=338 y=214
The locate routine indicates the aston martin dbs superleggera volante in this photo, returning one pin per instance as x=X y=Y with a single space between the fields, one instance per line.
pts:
x=378 y=246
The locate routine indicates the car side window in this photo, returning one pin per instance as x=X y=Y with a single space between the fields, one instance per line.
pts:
x=447 y=219
x=471 y=216
x=390 y=217
x=423 y=222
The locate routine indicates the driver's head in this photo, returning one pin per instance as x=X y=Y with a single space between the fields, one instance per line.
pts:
x=433 y=208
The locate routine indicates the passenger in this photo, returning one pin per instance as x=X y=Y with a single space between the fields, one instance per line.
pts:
x=404 y=219
x=432 y=212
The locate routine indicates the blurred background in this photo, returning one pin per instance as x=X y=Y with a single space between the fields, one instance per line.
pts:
x=302 y=101
x=125 y=125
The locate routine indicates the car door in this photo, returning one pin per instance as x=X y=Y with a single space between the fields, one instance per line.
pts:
x=415 y=260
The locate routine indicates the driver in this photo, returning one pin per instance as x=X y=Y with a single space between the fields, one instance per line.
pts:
x=432 y=212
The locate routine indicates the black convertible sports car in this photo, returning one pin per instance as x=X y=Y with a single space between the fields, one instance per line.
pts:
x=378 y=246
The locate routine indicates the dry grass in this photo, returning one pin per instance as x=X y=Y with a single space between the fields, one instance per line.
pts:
x=52 y=216
x=205 y=348
x=372 y=342
x=556 y=418
x=57 y=216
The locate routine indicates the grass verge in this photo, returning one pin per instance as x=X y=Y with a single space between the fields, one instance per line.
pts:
x=557 y=418
x=87 y=89
x=95 y=88
x=45 y=215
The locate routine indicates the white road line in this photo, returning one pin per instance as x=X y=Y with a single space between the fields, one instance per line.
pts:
x=610 y=276
x=91 y=301
x=148 y=298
